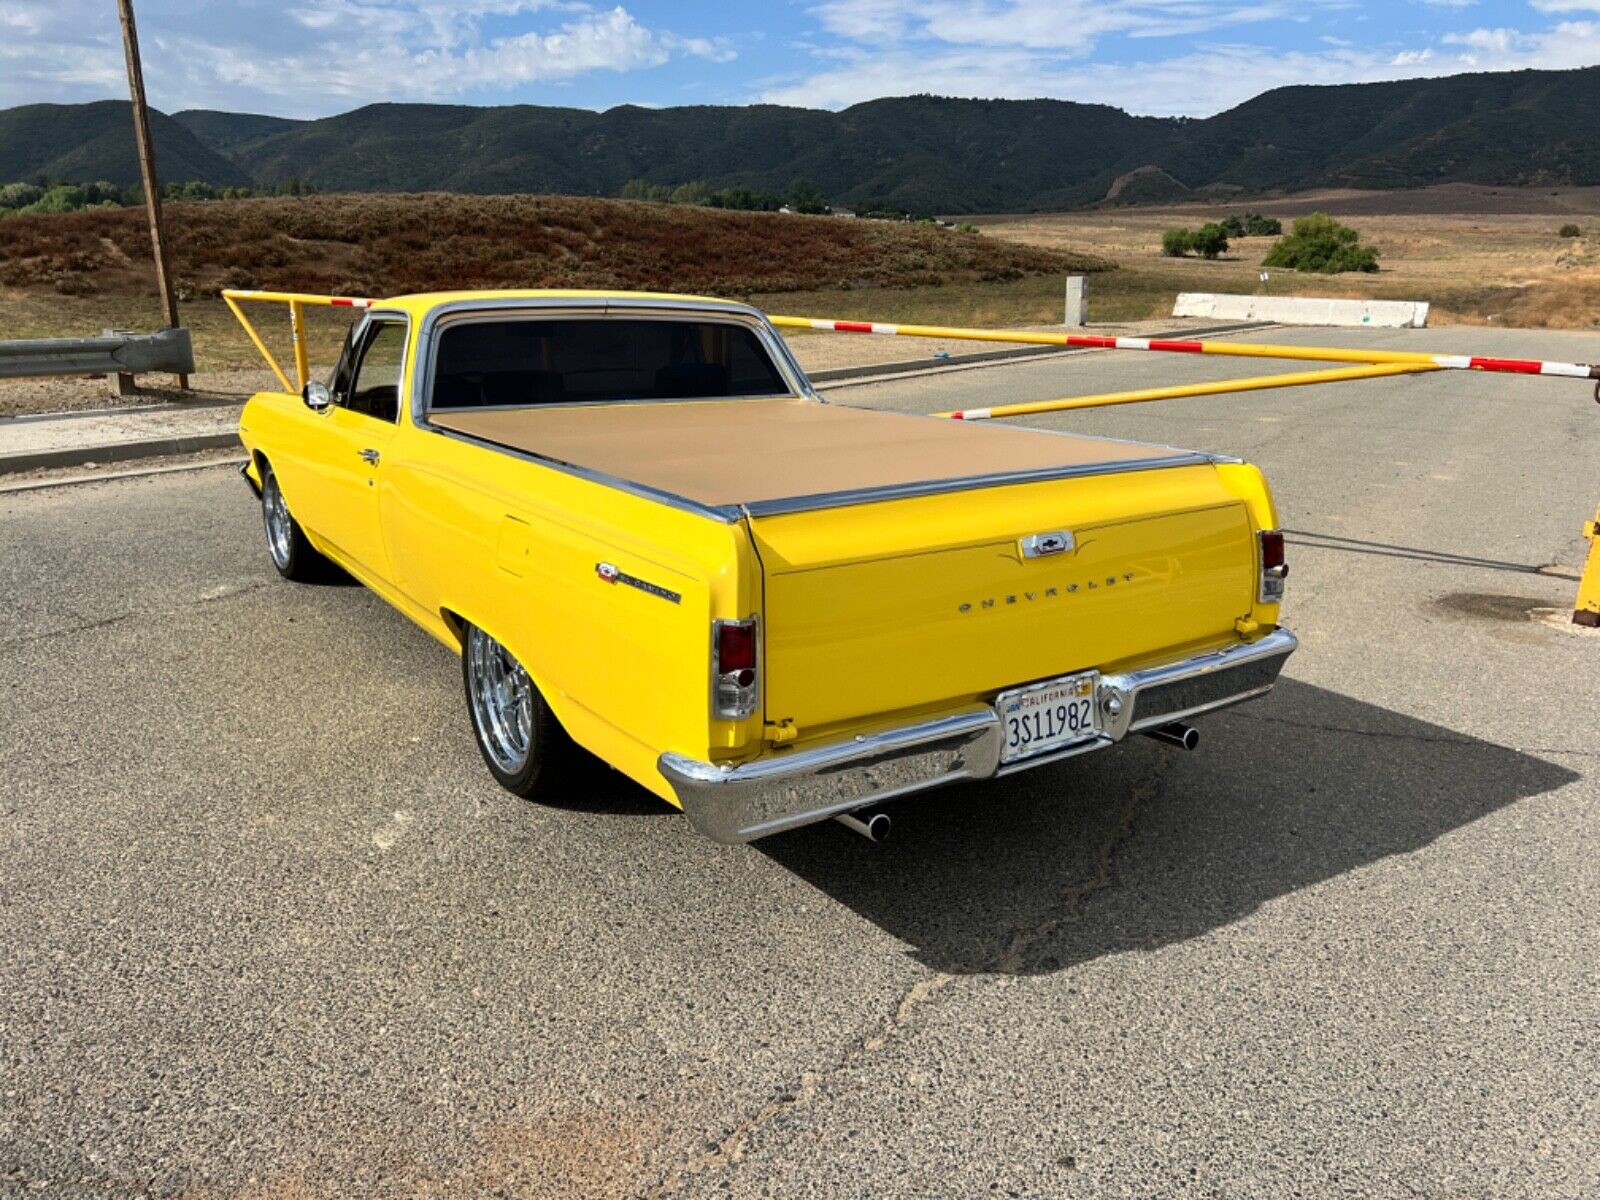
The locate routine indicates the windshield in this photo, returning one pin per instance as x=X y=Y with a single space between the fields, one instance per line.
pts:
x=530 y=361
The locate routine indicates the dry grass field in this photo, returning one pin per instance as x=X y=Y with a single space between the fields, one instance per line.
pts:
x=387 y=245
x=82 y=272
x=1479 y=255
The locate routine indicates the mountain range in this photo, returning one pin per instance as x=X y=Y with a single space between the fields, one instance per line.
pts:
x=920 y=153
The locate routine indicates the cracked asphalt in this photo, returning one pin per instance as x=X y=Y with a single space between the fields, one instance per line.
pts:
x=268 y=930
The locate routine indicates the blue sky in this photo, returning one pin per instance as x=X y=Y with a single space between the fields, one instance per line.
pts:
x=1187 y=57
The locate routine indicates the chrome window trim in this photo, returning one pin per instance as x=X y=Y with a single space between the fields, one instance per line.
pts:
x=569 y=308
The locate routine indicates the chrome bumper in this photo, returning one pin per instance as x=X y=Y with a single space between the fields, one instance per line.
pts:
x=743 y=803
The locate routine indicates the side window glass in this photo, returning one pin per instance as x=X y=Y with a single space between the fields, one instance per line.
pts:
x=375 y=388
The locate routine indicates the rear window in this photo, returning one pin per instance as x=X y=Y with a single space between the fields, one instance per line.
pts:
x=589 y=360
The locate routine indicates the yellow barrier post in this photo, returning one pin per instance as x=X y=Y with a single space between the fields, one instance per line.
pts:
x=1587 y=611
x=297 y=329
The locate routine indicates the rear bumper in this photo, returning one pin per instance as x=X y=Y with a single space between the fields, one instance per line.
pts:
x=743 y=803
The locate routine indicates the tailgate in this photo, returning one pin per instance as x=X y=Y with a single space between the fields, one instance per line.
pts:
x=912 y=604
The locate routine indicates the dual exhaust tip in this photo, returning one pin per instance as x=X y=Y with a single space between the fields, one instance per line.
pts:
x=874 y=826
x=1185 y=737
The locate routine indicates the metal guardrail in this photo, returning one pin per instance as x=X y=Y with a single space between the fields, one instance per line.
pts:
x=169 y=351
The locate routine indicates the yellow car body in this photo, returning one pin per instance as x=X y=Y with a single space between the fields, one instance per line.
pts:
x=884 y=558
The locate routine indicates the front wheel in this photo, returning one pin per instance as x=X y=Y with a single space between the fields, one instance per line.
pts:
x=519 y=737
x=291 y=552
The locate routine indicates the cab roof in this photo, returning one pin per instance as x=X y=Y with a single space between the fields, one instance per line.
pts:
x=420 y=303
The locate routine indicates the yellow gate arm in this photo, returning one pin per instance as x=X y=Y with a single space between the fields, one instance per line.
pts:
x=297 y=302
x=1217 y=388
x=1445 y=362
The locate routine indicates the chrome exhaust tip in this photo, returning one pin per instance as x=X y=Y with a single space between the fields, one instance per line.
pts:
x=1185 y=737
x=874 y=826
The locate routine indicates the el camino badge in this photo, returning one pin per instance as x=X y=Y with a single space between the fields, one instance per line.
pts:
x=1040 y=545
x=610 y=574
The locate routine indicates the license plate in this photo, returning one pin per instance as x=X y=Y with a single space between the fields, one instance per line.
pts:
x=1048 y=716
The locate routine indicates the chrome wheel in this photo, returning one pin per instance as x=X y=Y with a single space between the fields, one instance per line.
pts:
x=280 y=526
x=502 y=701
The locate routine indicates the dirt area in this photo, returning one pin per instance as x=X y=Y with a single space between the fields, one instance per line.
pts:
x=72 y=394
x=1479 y=255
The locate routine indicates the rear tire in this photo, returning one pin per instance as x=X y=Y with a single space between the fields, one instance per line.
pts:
x=522 y=743
x=291 y=552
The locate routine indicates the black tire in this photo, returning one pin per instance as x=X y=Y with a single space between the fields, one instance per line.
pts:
x=287 y=546
x=521 y=742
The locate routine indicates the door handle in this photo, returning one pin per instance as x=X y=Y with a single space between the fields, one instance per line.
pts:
x=370 y=457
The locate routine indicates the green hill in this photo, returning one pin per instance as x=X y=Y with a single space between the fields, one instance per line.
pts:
x=81 y=143
x=920 y=153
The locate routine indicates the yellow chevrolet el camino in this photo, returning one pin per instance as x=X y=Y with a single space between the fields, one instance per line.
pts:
x=645 y=534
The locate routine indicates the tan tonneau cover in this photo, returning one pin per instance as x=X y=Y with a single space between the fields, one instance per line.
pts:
x=719 y=453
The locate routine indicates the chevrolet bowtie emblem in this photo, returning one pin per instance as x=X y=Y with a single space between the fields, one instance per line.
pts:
x=1039 y=545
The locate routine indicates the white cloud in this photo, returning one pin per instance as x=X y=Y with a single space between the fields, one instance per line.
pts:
x=1199 y=83
x=318 y=56
x=1038 y=48
x=1063 y=25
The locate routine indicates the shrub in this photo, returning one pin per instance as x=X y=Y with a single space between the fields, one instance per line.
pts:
x=1251 y=224
x=1319 y=243
x=19 y=195
x=1209 y=240
x=1175 y=243
x=1570 y=231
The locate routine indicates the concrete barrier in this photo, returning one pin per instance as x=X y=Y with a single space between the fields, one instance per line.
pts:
x=1304 y=310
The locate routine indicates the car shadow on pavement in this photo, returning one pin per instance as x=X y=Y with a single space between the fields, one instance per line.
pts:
x=1146 y=845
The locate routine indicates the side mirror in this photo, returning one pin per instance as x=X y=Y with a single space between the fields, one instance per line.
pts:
x=316 y=395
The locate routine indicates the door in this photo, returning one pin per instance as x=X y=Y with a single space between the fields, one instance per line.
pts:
x=358 y=430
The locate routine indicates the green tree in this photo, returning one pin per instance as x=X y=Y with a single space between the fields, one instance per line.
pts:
x=1570 y=231
x=19 y=195
x=1209 y=240
x=640 y=189
x=696 y=192
x=1319 y=243
x=1175 y=243
x=807 y=197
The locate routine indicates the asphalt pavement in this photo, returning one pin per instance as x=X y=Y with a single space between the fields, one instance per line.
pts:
x=267 y=928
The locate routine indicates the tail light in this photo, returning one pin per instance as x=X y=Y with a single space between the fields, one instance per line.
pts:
x=1274 y=569
x=735 y=669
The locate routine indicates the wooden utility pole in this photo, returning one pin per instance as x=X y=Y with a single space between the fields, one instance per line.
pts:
x=147 y=169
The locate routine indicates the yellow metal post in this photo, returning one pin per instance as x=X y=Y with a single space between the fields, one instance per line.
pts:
x=1587 y=611
x=297 y=326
